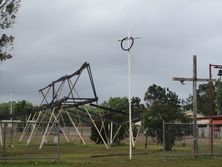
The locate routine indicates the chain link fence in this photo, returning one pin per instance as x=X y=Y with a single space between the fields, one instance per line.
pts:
x=208 y=139
x=14 y=144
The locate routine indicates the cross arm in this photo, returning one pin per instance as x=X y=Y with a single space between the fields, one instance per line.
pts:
x=182 y=79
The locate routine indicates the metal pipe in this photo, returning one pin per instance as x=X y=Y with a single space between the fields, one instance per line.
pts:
x=210 y=108
x=195 y=135
x=129 y=98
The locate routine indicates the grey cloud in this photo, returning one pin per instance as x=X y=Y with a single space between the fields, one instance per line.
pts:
x=54 y=38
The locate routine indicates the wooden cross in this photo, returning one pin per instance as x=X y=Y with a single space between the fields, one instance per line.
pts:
x=194 y=80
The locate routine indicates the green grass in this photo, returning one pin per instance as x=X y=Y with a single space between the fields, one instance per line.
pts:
x=76 y=155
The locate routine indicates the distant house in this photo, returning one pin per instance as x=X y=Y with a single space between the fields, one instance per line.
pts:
x=217 y=124
x=190 y=115
x=204 y=124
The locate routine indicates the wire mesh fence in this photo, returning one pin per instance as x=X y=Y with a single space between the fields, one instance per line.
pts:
x=15 y=146
x=208 y=139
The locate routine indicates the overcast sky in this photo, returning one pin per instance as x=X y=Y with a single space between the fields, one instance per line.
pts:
x=55 y=37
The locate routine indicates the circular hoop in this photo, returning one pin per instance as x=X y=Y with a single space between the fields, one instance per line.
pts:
x=124 y=39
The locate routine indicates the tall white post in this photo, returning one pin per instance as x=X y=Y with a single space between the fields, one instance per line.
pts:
x=111 y=133
x=129 y=38
x=129 y=98
x=11 y=91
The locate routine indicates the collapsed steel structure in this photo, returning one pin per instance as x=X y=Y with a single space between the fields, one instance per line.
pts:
x=56 y=87
x=59 y=97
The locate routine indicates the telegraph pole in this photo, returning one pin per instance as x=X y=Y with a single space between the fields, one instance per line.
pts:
x=194 y=79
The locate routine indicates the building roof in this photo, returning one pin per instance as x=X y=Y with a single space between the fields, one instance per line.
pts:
x=201 y=119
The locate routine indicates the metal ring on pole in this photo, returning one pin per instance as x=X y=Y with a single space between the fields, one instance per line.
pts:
x=130 y=46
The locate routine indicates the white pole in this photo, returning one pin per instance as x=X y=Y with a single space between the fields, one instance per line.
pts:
x=96 y=127
x=11 y=104
x=73 y=123
x=1 y=134
x=11 y=91
x=27 y=125
x=111 y=133
x=129 y=98
x=137 y=134
x=33 y=128
x=114 y=137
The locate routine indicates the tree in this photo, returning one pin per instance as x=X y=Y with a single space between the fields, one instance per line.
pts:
x=137 y=107
x=22 y=109
x=187 y=104
x=5 y=108
x=118 y=103
x=203 y=99
x=163 y=104
x=8 y=10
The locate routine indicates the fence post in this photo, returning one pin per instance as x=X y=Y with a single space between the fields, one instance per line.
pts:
x=58 y=143
x=163 y=140
x=11 y=139
x=3 y=142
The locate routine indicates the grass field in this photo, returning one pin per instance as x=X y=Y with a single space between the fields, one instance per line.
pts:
x=97 y=155
x=92 y=155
